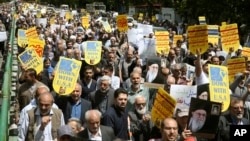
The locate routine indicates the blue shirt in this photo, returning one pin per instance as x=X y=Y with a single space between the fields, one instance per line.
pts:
x=76 y=110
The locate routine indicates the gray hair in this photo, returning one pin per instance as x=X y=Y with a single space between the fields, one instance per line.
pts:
x=138 y=96
x=78 y=122
x=106 y=78
x=88 y=114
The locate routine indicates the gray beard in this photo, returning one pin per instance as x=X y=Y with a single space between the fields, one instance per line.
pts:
x=195 y=125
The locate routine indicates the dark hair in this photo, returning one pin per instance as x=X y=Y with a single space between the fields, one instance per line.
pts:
x=32 y=72
x=119 y=91
x=46 y=59
x=109 y=67
x=88 y=67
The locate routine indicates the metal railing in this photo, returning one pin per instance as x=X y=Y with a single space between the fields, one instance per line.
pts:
x=6 y=88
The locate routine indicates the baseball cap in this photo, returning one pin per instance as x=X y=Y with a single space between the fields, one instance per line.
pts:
x=64 y=130
x=182 y=111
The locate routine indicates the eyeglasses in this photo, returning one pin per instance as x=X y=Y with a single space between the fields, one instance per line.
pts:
x=236 y=108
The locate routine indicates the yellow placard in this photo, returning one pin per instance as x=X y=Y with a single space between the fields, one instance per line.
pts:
x=176 y=38
x=85 y=21
x=83 y=10
x=68 y=15
x=234 y=66
x=31 y=33
x=92 y=52
x=106 y=26
x=223 y=23
x=67 y=73
x=202 y=20
x=162 y=42
x=219 y=85
x=246 y=52
x=52 y=20
x=122 y=23
x=38 y=45
x=30 y=58
x=22 y=40
x=229 y=37
x=163 y=107
x=198 y=38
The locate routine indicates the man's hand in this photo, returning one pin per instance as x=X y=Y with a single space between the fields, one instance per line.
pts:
x=146 y=118
x=44 y=122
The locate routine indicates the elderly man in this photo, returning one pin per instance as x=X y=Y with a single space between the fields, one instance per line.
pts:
x=234 y=117
x=103 y=98
x=41 y=123
x=140 y=120
x=197 y=119
x=94 y=130
x=136 y=89
x=74 y=105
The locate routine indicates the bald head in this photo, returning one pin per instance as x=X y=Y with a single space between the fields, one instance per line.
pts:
x=45 y=102
x=40 y=90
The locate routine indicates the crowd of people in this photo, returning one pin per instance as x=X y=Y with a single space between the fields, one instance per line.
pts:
x=109 y=101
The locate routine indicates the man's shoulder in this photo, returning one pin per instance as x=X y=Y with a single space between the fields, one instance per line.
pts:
x=85 y=102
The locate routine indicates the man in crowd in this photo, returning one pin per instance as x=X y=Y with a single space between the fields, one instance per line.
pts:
x=41 y=123
x=117 y=116
x=94 y=130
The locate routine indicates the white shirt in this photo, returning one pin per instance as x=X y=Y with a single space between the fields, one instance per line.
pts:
x=97 y=137
x=45 y=135
x=31 y=105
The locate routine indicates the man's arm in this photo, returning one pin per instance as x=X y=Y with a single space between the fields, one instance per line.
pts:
x=23 y=127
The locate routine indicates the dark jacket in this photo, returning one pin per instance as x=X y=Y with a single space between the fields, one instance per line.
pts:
x=107 y=134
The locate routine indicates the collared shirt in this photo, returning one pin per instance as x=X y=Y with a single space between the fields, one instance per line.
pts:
x=31 y=105
x=45 y=135
x=235 y=122
x=97 y=137
x=76 y=110
x=132 y=94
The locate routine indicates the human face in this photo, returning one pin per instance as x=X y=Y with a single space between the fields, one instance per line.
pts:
x=107 y=72
x=45 y=104
x=140 y=106
x=199 y=114
x=216 y=61
x=76 y=94
x=121 y=101
x=170 y=130
x=89 y=74
x=203 y=95
x=73 y=125
x=237 y=110
x=136 y=80
x=28 y=78
x=47 y=64
x=93 y=124
x=104 y=86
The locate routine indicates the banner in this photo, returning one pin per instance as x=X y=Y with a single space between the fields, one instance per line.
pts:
x=41 y=21
x=236 y=65
x=22 y=40
x=162 y=42
x=92 y=52
x=85 y=21
x=30 y=58
x=163 y=107
x=246 y=52
x=38 y=45
x=202 y=20
x=106 y=26
x=198 y=38
x=213 y=34
x=219 y=85
x=122 y=23
x=3 y=36
x=67 y=73
x=183 y=93
x=31 y=33
x=229 y=37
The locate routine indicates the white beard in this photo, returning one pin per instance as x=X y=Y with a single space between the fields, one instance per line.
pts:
x=142 y=111
x=151 y=75
x=195 y=125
